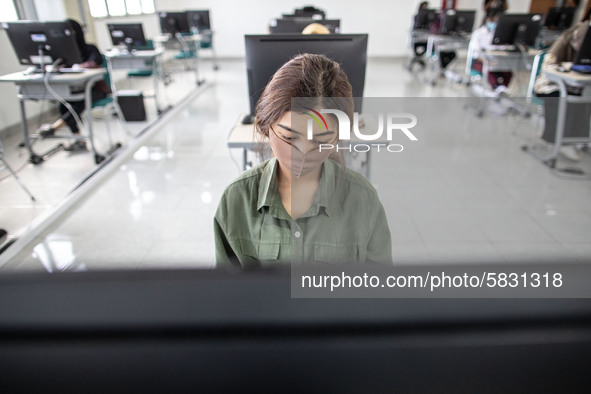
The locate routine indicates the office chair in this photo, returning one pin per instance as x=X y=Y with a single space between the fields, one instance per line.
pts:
x=207 y=43
x=16 y=177
x=142 y=73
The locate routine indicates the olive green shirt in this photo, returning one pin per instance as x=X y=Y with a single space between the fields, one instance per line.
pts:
x=346 y=222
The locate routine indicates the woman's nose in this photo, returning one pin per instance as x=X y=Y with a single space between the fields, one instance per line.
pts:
x=304 y=145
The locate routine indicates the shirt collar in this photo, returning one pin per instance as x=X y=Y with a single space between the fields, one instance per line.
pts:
x=324 y=197
x=268 y=184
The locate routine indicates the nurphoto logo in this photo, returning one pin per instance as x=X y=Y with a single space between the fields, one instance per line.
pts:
x=390 y=123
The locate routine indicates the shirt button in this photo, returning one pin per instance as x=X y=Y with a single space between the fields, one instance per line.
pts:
x=297 y=234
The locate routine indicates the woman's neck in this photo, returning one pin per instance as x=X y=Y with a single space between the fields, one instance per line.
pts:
x=286 y=179
x=297 y=193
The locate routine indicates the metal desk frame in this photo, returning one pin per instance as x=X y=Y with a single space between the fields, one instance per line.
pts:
x=32 y=87
x=562 y=79
x=117 y=60
x=435 y=42
x=187 y=43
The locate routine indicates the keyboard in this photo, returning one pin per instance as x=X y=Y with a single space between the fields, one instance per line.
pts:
x=67 y=70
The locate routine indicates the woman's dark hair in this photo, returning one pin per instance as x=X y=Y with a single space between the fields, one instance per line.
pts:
x=79 y=34
x=493 y=12
x=317 y=78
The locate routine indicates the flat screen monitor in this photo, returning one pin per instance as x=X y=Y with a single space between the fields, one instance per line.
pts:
x=174 y=22
x=313 y=16
x=559 y=18
x=129 y=34
x=42 y=43
x=309 y=11
x=517 y=29
x=457 y=22
x=296 y=25
x=218 y=332
x=265 y=54
x=425 y=19
x=199 y=19
x=582 y=63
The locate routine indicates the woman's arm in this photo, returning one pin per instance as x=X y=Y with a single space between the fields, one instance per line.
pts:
x=93 y=59
x=224 y=253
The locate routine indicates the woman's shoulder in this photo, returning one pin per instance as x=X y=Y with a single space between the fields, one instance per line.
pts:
x=351 y=179
x=251 y=176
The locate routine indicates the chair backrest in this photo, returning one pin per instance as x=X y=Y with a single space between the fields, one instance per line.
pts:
x=206 y=42
x=536 y=68
x=107 y=74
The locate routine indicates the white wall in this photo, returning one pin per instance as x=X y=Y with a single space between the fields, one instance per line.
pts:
x=387 y=22
x=50 y=10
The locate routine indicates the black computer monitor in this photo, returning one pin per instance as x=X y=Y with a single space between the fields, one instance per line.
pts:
x=43 y=43
x=218 y=332
x=296 y=25
x=559 y=18
x=425 y=18
x=517 y=29
x=129 y=34
x=174 y=22
x=309 y=11
x=457 y=22
x=313 y=16
x=199 y=19
x=265 y=54
x=582 y=62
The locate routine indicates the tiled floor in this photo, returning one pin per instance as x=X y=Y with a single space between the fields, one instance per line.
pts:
x=464 y=194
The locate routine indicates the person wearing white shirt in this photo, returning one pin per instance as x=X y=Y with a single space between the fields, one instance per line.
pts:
x=482 y=38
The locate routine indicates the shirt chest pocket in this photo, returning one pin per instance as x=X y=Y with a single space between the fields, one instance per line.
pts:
x=336 y=254
x=263 y=253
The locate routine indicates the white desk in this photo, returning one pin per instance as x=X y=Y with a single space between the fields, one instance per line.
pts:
x=69 y=86
x=242 y=136
x=501 y=61
x=136 y=60
x=562 y=79
x=495 y=60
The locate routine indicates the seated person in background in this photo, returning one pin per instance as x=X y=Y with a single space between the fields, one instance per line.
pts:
x=419 y=47
x=564 y=50
x=480 y=40
x=92 y=59
x=315 y=28
x=302 y=205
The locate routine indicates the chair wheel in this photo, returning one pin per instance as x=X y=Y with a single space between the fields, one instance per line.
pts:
x=98 y=159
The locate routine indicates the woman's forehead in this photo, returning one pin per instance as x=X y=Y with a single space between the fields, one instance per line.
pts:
x=302 y=117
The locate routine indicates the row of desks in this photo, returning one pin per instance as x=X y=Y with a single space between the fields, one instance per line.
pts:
x=78 y=86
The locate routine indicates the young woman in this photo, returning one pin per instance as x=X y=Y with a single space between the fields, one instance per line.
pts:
x=301 y=206
x=92 y=59
x=482 y=38
x=564 y=50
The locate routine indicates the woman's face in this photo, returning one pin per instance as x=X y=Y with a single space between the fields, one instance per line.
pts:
x=293 y=129
x=302 y=141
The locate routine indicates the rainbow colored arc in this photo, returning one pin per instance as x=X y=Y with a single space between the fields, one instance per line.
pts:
x=318 y=115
